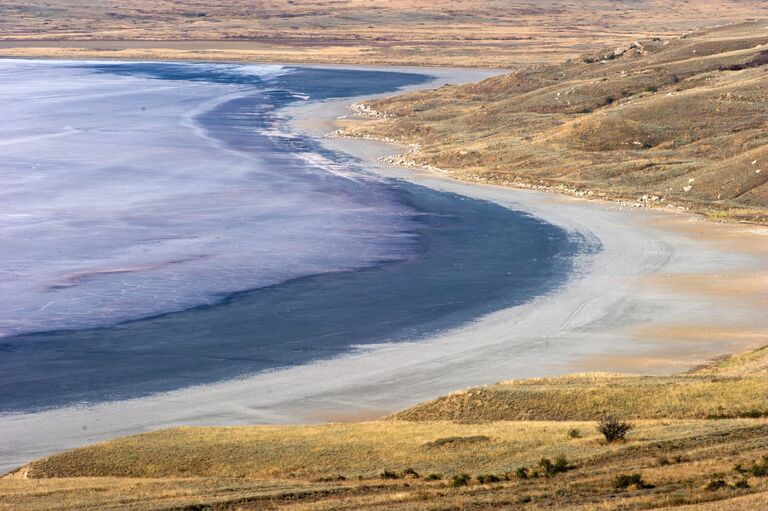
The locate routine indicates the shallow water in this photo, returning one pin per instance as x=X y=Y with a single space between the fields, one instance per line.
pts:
x=160 y=228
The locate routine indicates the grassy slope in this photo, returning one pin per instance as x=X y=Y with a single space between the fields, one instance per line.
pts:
x=299 y=467
x=451 y=32
x=682 y=119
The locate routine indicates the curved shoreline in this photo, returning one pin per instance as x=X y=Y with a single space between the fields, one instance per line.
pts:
x=575 y=328
x=401 y=262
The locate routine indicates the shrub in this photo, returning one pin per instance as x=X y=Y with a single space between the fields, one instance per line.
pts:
x=663 y=460
x=624 y=481
x=460 y=480
x=389 y=475
x=330 y=479
x=488 y=479
x=409 y=472
x=757 y=469
x=550 y=468
x=434 y=477
x=454 y=441
x=760 y=468
x=522 y=473
x=741 y=484
x=715 y=484
x=613 y=428
x=574 y=433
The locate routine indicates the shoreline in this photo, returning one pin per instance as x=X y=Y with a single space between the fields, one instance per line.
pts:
x=573 y=329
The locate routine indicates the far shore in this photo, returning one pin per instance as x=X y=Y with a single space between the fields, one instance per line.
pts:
x=664 y=295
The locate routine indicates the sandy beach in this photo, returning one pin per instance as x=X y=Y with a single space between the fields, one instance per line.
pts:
x=668 y=291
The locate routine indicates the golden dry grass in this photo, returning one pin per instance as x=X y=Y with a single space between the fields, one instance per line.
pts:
x=353 y=450
x=490 y=33
x=588 y=397
x=287 y=467
x=341 y=466
x=672 y=122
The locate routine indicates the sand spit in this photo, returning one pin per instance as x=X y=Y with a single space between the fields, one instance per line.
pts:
x=596 y=321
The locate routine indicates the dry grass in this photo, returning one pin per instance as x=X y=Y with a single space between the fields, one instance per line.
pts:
x=356 y=450
x=341 y=466
x=679 y=121
x=588 y=397
x=490 y=33
x=273 y=467
x=732 y=387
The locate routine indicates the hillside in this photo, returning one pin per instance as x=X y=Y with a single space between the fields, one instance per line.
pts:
x=677 y=122
x=409 y=461
x=484 y=33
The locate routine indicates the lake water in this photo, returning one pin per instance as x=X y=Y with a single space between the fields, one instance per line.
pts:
x=161 y=227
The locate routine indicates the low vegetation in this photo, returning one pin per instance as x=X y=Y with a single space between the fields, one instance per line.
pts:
x=613 y=428
x=589 y=397
x=689 y=463
x=484 y=33
x=664 y=122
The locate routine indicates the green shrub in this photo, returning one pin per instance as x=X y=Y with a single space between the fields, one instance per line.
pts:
x=574 y=433
x=741 y=484
x=488 y=479
x=760 y=468
x=409 y=472
x=434 y=477
x=550 y=468
x=757 y=469
x=715 y=484
x=460 y=480
x=663 y=460
x=624 y=481
x=330 y=479
x=522 y=473
x=613 y=428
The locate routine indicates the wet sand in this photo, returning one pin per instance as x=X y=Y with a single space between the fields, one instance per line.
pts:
x=608 y=318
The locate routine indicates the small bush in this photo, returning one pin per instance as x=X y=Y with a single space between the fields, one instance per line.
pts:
x=550 y=468
x=387 y=474
x=741 y=484
x=455 y=441
x=663 y=460
x=624 y=481
x=574 y=433
x=613 y=428
x=409 y=472
x=330 y=479
x=522 y=473
x=434 y=477
x=460 y=480
x=757 y=469
x=488 y=479
x=715 y=484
